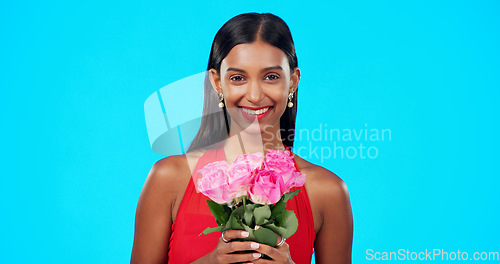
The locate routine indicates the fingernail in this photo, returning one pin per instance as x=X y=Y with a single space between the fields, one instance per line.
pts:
x=245 y=234
x=254 y=245
x=256 y=255
x=256 y=227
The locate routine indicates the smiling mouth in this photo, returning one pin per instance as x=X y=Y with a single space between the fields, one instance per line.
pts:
x=256 y=112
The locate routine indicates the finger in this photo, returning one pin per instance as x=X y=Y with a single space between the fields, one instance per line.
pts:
x=263 y=261
x=243 y=257
x=234 y=234
x=222 y=239
x=274 y=253
x=240 y=246
x=281 y=243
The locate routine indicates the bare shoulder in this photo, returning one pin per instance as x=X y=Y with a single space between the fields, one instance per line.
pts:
x=164 y=167
x=168 y=179
x=163 y=184
x=174 y=170
x=168 y=171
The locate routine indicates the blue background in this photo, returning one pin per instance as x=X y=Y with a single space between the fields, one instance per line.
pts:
x=75 y=152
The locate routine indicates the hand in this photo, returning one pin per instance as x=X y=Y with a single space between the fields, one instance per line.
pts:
x=279 y=254
x=231 y=252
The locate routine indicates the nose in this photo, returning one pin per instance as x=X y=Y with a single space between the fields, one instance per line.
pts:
x=254 y=93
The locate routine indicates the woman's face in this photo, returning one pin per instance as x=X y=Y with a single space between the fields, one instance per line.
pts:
x=255 y=80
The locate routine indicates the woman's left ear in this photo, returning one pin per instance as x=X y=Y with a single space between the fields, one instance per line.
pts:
x=294 y=80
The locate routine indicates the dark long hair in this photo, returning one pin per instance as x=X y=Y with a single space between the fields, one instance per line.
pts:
x=244 y=28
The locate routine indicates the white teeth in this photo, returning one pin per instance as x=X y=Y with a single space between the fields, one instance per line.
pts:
x=255 y=112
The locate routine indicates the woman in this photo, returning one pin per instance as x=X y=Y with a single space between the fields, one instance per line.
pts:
x=252 y=81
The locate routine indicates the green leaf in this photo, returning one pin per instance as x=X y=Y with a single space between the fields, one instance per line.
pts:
x=248 y=215
x=261 y=214
x=251 y=236
x=266 y=236
x=278 y=230
x=226 y=209
x=288 y=196
x=238 y=212
x=228 y=223
x=210 y=230
x=278 y=208
x=289 y=221
x=218 y=211
x=232 y=223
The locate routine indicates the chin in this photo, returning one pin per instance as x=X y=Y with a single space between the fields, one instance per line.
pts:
x=257 y=128
x=253 y=124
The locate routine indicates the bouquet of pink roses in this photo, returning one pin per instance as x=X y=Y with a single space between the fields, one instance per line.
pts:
x=251 y=194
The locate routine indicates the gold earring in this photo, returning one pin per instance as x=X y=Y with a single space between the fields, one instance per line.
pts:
x=221 y=99
x=290 y=96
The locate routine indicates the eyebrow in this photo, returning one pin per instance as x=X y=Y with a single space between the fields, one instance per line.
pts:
x=265 y=69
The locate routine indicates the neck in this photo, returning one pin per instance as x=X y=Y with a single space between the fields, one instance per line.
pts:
x=242 y=142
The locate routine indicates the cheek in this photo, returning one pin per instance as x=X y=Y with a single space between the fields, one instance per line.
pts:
x=233 y=97
x=278 y=94
x=232 y=94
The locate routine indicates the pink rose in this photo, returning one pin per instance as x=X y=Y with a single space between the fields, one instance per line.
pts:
x=266 y=188
x=292 y=179
x=242 y=172
x=214 y=184
x=283 y=164
x=279 y=160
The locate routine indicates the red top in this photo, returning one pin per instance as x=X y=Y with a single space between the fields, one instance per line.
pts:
x=186 y=245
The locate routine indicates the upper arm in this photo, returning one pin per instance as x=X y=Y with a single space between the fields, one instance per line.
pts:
x=333 y=242
x=153 y=218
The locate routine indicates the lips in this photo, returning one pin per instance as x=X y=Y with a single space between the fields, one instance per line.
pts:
x=255 y=111
x=251 y=113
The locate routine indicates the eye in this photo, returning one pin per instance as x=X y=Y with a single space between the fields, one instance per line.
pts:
x=272 y=77
x=236 y=78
